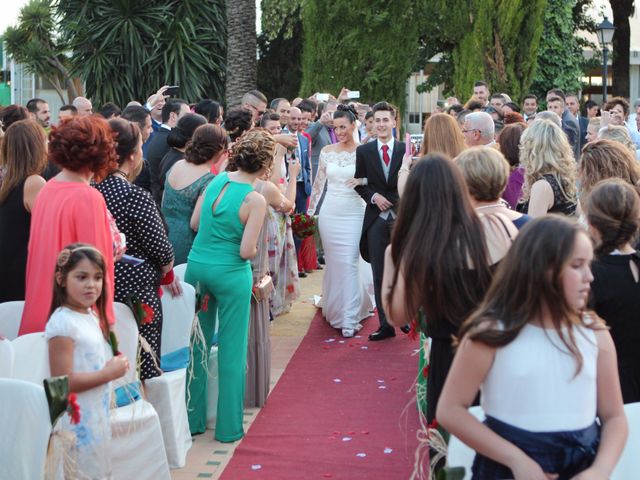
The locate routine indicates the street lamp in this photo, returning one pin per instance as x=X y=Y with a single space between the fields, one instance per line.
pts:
x=605 y=36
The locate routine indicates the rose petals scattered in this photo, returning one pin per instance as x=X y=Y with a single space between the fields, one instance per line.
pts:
x=393 y=378
x=328 y=475
x=329 y=340
x=337 y=380
x=340 y=341
x=365 y=348
x=256 y=467
x=388 y=450
x=365 y=432
x=361 y=454
x=351 y=433
x=380 y=381
x=327 y=347
x=382 y=387
x=336 y=433
x=346 y=439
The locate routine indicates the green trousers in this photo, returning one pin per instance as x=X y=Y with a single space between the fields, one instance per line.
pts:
x=229 y=291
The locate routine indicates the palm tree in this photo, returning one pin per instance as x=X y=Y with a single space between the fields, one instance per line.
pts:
x=241 y=49
x=33 y=43
x=126 y=49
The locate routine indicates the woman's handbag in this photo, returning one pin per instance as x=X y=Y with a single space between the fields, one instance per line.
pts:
x=263 y=288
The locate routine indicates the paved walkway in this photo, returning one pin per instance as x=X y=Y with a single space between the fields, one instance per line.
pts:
x=207 y=457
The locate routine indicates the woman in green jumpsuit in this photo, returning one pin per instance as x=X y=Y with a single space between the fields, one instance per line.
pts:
x=230 y=222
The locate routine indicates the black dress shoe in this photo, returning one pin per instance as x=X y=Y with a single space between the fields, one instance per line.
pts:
x=302 y=275
x=405 y=329
x=321 y=259
x=382 y=333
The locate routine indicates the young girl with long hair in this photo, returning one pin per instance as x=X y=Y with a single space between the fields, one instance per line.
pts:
x=545 y=367
x=613 y=212
x=77 y=333
x=441 y=260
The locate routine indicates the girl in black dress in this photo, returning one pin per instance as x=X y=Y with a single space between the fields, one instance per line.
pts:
x=613 y=212
x=138 y=218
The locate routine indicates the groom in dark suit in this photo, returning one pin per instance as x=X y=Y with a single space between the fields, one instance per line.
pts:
x=379 y=162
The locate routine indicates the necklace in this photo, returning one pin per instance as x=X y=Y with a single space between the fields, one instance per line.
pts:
x=123 y=174
x=493 y=205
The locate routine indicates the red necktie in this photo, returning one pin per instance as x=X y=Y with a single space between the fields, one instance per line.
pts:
x=385 y=154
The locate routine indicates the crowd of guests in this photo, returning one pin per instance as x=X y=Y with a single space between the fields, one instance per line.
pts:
x=461 y=246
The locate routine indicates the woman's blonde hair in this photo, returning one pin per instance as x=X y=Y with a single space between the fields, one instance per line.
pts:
x=602 y=159
x=442 y=134
x=617 y=133
x=595 y=122
x=486 y=172
x=544 y=149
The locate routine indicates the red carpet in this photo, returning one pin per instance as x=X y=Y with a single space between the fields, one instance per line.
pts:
x=337 y=412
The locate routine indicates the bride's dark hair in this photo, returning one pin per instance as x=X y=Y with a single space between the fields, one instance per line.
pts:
x=346 y=111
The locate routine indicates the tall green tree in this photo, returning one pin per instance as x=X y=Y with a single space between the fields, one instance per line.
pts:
x=280 y=55
x=366 y=45
x=560 y=60
x=622 y=10
x=126 y=49
x=33 y=42
x=242 y=49
x=491 y=40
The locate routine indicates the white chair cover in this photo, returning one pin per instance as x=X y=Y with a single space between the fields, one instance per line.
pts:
x=10 y=318
x=458 y=454
x=24 y=416
x=167 y=392
x=31 y=358
x=179 y=270
x=212 y=389
x=136 y=443
x=6 y=358
x=629 y=464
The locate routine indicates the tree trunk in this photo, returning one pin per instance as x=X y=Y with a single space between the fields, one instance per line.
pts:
x=622 y=10
x=241 y=49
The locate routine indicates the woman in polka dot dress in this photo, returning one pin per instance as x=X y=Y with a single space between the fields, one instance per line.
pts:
x=137 y=216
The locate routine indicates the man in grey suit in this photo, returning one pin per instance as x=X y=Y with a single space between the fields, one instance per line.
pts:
x=321 y=133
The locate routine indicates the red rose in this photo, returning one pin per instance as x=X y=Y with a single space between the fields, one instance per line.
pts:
x=148 y=314
x=425 y=371
x=205 y=303
x=73 y=409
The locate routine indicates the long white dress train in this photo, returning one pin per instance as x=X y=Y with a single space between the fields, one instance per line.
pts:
x=347 y=286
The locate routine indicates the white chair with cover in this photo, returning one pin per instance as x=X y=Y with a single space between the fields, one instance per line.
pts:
x=212 y=389
x=460 y=455
x=24 y=416
x=180 y=270
x=629 y=464
x=167 y=392
x=136 y=446
x=31 y=358
x=10 y=318
x=6 y=358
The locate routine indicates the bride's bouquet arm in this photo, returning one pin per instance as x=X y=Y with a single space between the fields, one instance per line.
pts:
x=363 y=188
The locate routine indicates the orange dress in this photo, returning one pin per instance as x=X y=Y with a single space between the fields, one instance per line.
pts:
x=63 y=213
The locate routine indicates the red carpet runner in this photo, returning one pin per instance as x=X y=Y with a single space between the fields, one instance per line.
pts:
x=337 y=412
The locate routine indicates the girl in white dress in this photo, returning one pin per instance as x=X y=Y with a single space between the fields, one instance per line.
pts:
x=347 y=286
x=77 y=333
x=545 y=367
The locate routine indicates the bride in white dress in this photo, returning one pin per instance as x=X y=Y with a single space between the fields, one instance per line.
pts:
x=347 y=287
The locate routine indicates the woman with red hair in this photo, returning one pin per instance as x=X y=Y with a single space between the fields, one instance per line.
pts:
x=68 y=210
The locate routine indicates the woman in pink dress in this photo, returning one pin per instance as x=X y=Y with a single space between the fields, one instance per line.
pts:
x=68 y=210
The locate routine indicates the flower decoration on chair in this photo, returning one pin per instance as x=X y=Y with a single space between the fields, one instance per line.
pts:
x=60 y=400
x=142 y=312
x=202 y=299
x=303 y=225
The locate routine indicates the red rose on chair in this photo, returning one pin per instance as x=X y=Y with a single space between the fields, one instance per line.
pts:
x=73 y=409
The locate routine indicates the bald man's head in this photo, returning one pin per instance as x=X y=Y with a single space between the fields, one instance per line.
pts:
x=295 y=115
x=83 y=105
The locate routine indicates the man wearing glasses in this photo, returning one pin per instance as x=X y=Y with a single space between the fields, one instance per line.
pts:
x=256 y=103
x=478 y=130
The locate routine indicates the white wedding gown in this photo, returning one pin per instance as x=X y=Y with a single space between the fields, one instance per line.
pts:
x=347 y=287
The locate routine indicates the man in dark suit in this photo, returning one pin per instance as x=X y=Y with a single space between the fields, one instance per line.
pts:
x=573 y=105
x=569 y=123
x=379 y=162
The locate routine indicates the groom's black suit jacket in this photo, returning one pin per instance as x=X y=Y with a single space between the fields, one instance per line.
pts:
x=369 y=166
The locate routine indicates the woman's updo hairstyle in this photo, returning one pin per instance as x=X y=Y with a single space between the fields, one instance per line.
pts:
x=346 y=111
x=127 y=136
x=238 y=121
x=207 y=141
x=253 y=151
x=183 y=131
x=613 y=208
x=84 y=143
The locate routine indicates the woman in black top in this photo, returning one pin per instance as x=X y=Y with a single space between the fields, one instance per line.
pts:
x=24 y=157
x=613 y=212
x=138 y=218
